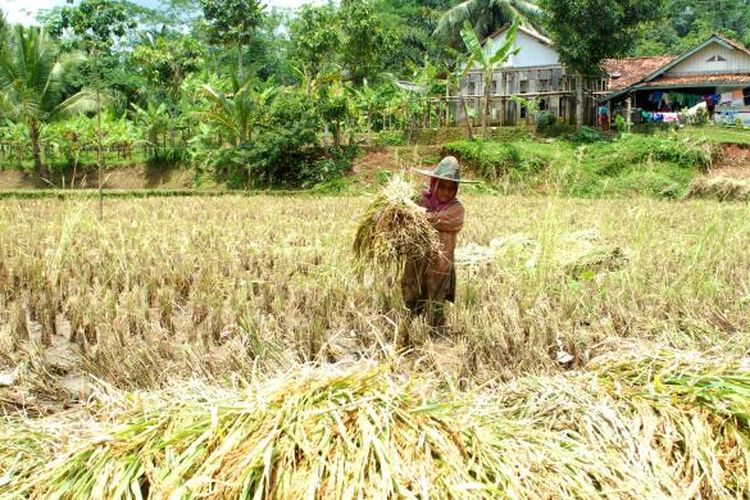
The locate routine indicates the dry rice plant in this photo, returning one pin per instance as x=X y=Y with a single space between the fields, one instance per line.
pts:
x=394 y=229
x=164 y=288
x=642 y=422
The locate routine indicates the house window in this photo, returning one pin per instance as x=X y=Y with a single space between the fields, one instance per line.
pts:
x=472 y=88
x=494 y=86
x=523 y=86
x=542 y=86
x=716 y=58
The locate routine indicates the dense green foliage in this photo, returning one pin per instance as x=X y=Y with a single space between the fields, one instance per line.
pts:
x=683 y=24
x=583 y=40
x=208 y=84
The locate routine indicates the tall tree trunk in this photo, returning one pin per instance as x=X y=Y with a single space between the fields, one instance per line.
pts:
x=34 y=132
x=99 y=152
x=239 y=58
x=486 y=107
x=466 y=116
x=579 y=101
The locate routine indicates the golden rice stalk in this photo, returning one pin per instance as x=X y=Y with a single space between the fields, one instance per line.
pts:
x=394 y=229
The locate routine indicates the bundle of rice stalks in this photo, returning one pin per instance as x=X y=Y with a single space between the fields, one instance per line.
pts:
x=394 y=229
x=644 y=423
x=597 y=261
x=579 y=254
x=719 y=189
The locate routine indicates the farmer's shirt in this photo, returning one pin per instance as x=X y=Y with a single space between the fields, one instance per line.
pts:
x=448 y=222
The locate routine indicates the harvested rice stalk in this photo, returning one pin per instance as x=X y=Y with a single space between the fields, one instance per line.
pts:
x=394 y=229
x=651 y=423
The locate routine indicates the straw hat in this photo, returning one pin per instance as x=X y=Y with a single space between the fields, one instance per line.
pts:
x=448 y=169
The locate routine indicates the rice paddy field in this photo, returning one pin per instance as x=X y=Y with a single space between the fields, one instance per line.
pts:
x=232 y=347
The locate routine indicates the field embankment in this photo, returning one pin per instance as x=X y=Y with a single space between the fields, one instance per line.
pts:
x=632 y=165
x=662 y=165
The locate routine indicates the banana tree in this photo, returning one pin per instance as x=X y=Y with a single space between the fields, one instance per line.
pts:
x=237 y=112
x=154 y=119
x=488 y=60
x=32 y=73
x=370 y=101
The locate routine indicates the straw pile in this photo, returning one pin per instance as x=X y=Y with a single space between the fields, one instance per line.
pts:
x=577 y=254
x=719 y=189
x=640 y=423
x=394 y=229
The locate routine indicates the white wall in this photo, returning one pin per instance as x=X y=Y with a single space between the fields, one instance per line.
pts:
x=736 y=61
x=532 y=51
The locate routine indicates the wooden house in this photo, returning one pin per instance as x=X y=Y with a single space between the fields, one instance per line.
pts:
x=535 y=71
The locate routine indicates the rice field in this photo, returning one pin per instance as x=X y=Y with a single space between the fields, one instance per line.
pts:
x=232 y=346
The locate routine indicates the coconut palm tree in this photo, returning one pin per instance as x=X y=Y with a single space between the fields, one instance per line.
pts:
x=31 y=83
x=486 y=16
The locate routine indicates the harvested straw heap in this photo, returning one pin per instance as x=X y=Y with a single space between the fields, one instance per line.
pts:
x=650 y=423
x=719 y=189
x=394 y=229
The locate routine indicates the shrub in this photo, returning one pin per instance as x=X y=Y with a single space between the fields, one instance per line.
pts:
x=587 y=135
x=545 y=120
x=389 y=138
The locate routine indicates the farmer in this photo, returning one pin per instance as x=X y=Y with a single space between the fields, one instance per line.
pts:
x=428 y=283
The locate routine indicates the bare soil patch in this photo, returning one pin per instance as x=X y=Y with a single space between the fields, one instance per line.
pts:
x=377 y=162
x=733 y=163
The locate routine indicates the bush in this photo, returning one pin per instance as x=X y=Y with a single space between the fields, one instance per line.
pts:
x=283 y=151
x=587 y=135
x=389 y=138
x=545 y=120
x=699 y=119
x=494 y=160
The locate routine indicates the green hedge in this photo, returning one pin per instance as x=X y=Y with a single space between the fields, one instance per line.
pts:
x=660 y=166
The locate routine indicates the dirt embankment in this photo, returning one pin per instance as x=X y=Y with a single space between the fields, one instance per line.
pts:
x=373 y=163
x=733 y=162
x=135 y=177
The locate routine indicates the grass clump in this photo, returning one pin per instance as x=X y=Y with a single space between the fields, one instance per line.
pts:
x=394 y=229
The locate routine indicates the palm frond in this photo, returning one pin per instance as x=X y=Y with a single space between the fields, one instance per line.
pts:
x=485 y=16
x=84 y=101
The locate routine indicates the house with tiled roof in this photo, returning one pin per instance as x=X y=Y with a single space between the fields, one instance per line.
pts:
x=715 y=75
x=716 y=72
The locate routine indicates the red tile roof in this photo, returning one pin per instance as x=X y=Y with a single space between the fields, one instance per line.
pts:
x=626 y=72
x=707 y=80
